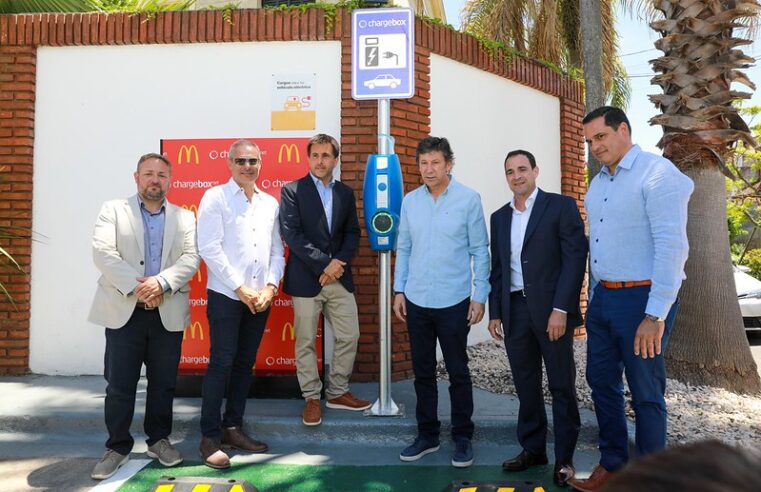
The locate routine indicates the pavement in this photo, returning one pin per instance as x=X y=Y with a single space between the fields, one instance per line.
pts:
x=52 y=431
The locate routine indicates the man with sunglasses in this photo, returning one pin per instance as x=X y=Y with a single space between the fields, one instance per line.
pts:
x=239 y=239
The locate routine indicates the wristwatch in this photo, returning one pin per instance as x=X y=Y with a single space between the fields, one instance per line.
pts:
x=274 y=290
x=655 y=319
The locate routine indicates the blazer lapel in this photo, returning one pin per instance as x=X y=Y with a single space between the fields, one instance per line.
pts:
x=536 y=214
x=315 y=198
x=505 y=236
x=170 y=229
x=136 y=221
x=336 y=208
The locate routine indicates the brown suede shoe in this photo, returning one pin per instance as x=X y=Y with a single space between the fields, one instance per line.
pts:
x=212 y=455
x=312 y=412
x=234 y=437
x=347 y=401
x=595 y=481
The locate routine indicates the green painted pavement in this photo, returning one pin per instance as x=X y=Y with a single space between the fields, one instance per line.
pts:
x=327 y=478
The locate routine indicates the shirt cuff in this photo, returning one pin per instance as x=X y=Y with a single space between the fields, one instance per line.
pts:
x=560 y=310
x=658 y=308
x=165 y=287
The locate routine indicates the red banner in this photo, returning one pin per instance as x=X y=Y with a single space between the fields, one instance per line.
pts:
x=197 y=165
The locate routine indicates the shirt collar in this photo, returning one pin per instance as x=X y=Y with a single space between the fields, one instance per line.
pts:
x=529 y=201
x=142 y=205
x=233 y=188
x=318 y=181
x=627 y=161
x=449 y=185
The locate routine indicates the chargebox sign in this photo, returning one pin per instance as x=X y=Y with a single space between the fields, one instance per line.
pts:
x=197 y=165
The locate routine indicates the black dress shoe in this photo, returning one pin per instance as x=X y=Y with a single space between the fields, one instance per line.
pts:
x=524 y=460
x=563 y=473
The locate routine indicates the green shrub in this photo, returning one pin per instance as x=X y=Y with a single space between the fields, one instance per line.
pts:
x=753 y=261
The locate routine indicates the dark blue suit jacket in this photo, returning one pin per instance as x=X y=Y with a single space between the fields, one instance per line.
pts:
x=304 y=227
x=553 y=259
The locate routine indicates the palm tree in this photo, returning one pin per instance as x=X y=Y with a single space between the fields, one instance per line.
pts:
x=700 y=124
x=549 y=30
x=30 y=6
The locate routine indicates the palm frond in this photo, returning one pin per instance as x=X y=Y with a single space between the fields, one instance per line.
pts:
x=620 y=88
x=32 y=6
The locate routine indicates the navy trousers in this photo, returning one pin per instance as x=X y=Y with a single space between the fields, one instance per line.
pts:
x=235 y=334
x=450 y=326
x=527 y=345
x=142 y=340
x=612 y=320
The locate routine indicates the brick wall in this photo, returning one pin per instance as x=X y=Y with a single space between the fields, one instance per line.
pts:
x=21 y=34
x=17 y=82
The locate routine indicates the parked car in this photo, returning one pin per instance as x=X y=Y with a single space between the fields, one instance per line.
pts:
x=749 y=295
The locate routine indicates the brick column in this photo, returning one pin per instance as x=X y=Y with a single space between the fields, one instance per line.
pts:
x=17 y=87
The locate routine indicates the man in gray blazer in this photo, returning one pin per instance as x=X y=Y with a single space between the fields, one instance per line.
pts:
x=145 y=249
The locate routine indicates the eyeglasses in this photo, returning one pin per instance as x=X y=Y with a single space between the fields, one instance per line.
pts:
x=242 y=161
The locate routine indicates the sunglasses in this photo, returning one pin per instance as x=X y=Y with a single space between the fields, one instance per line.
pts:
x=242 y=161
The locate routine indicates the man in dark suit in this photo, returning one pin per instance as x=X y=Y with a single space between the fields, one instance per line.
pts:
x=318 y=220
x=538 y=252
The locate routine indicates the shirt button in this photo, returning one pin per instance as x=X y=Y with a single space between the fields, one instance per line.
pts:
x=611 y=179
x=595 y=261
x=605 y=200
x=597 y=240
x=600 y=220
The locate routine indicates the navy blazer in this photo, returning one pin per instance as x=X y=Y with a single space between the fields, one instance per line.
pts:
x=304 y=227
x=553 y=259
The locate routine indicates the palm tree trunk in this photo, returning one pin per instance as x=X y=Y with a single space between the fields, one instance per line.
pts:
x=708 y=345
x=591 y=45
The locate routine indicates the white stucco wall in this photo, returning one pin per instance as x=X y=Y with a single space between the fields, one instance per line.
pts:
x=485 y=116
x=97 y=110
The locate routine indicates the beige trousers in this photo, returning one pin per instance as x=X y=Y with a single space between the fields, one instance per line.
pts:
x=340 y=308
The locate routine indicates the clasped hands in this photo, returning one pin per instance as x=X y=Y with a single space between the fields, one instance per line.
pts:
x=149 y=291
x=332 y=272
x=256 y=300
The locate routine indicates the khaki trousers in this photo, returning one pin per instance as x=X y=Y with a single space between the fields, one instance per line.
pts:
x=340 y=308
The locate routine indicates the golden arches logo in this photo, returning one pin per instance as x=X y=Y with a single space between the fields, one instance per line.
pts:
x=187 y=151
x=289 y=150
x=196 y=325
x=286 y=328
x=192 y=208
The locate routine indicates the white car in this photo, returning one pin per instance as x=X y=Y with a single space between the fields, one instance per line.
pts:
x=749 y=295
x=383 y=80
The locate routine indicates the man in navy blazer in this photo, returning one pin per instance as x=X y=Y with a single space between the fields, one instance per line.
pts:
x=538 y=252
x=318 y=221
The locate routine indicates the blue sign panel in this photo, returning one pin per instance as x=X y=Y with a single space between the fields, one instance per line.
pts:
x=383 y=54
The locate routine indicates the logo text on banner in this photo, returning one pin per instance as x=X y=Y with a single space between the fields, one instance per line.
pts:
x=188 y=151
x=289 y=150
x=192 y=327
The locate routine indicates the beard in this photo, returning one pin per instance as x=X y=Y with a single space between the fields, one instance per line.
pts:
x=153 y=194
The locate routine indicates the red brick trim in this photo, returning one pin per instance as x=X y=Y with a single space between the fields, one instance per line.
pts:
x=21 y=34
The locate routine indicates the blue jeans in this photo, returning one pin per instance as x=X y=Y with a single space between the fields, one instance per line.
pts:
x=612 y=320
x=142 y=340
x=235 y=333
x=450 y=326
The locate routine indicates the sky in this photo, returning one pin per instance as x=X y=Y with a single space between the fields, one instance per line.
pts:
x=636 y=48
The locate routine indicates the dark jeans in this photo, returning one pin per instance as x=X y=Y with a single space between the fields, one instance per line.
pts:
x=235 y=333
x=142 y=340
x=612 y=320
x=450 y=326
x=527 y=345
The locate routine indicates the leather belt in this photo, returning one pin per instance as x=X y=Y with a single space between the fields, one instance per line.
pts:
x=625 y=285
x=141 y=305
x=518 y=293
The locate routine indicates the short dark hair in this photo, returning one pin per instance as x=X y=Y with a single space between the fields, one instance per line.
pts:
x=322 y=138
x=153 y=155
x=613 y=117
x=526 y=153
x=708 y=466
x=433 y=144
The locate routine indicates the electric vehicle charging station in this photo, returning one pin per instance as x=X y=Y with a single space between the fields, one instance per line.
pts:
x=383 y=67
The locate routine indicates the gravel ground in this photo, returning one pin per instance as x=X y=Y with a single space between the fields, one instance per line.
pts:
x=695 y=412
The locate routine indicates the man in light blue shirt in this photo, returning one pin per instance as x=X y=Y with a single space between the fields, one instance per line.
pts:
x=637 y=210
x=441 y=283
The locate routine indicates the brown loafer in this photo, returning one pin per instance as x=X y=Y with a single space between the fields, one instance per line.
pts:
x=595 y=481
x=212 y=455
x=347 y=401
x=234 y=437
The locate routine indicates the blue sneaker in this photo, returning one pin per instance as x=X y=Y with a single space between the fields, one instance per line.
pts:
x=463 y=453
x=418 y=449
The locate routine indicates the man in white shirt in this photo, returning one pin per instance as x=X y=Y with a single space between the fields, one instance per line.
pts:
x=239 y=240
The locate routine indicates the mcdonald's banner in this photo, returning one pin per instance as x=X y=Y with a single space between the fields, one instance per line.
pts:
x=197 y=165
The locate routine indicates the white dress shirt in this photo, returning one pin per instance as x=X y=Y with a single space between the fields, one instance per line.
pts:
x=517 y=234
x=239 y=240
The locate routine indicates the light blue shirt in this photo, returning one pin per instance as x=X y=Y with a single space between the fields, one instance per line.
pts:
x=638 y=226
x=326 y=197
x=153 y=240
x=439 y=241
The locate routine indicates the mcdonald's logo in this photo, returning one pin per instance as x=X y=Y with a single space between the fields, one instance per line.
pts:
x=193 y=326
x=198 y=275
x=289 y=150
x=187 y=151
x=286 y=328
x=192 y=208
